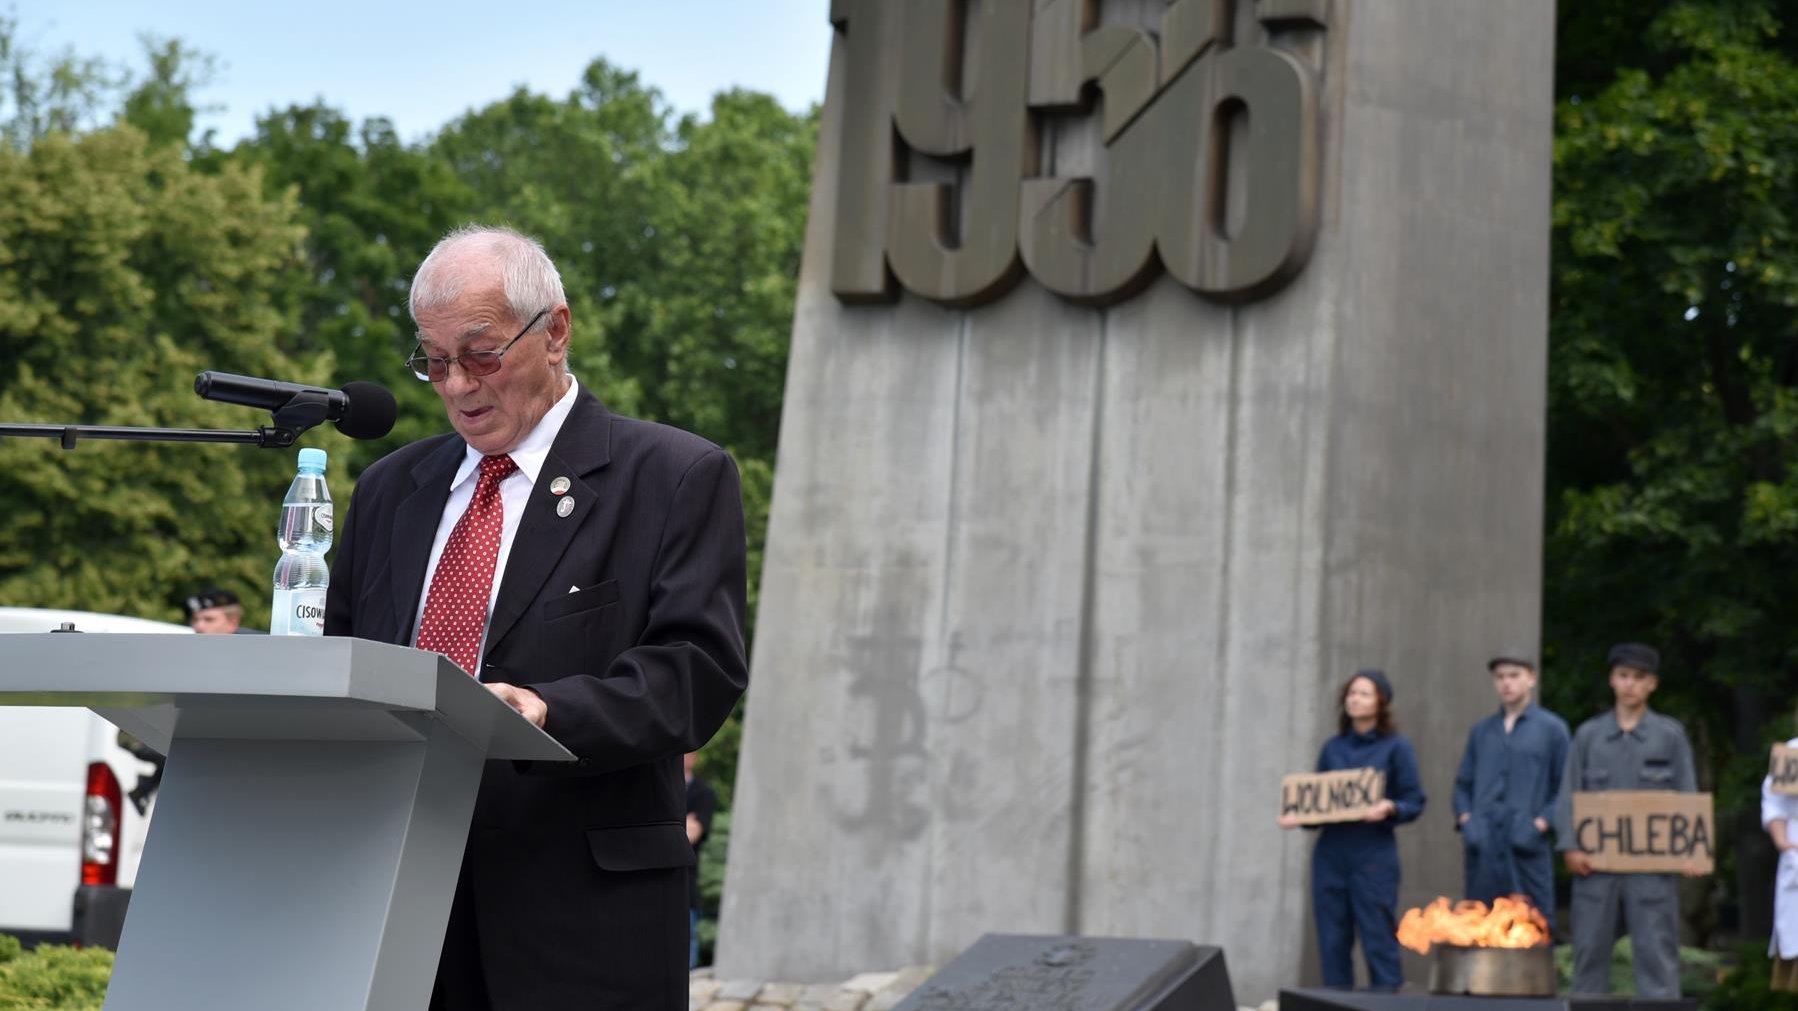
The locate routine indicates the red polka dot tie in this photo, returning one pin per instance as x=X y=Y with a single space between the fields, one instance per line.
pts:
x=456 y=608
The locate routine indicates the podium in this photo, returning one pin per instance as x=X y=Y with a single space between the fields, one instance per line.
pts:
x=312 y=815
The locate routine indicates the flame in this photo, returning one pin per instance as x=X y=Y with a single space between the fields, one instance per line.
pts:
x=1512 y=922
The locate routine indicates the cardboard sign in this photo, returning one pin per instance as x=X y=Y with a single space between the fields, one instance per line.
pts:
x=1315 y=798
x=1646 y=831
x=1783 y=770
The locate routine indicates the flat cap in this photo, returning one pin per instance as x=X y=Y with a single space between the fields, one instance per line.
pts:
x=1520 y=657
x=1634 y=654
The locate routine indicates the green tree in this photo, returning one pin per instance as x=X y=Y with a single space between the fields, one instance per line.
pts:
x=372 y=207
x=708 y=331
x=577 y=174
x=1672 y=505
x=161 y=103
x=679 y=247
x=40 y=96
x=716 y=317
x=123 y=273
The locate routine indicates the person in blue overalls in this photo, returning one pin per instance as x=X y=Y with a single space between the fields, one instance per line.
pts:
x=1354 y=868
x=1506 y=788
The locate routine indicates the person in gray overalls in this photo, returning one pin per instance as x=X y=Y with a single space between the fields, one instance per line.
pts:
x=1631 y=747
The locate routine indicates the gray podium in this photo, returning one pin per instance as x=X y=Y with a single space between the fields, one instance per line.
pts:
x=312 y=814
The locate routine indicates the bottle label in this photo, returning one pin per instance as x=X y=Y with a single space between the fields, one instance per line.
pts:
x=323 y=516
x=299 y=611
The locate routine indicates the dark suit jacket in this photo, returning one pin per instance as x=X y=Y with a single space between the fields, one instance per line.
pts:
x=575 y=875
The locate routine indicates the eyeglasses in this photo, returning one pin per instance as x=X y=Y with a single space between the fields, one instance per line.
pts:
x=433 y=369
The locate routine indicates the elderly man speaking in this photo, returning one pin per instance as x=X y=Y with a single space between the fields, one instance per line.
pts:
x=589 y=570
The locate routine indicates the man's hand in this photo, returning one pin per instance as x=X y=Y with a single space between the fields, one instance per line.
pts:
x=524 y=701
x=1466 y=816
x=694 y=829
x=1578 y=862
x=1288 y=821
x=1542 y=825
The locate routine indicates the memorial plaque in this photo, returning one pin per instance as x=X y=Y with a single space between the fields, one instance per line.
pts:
x=1004 y=971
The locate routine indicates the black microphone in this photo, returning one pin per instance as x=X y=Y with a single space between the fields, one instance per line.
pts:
x=360 y=410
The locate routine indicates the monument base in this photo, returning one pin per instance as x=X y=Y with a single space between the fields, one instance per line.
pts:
x=1348 y=1000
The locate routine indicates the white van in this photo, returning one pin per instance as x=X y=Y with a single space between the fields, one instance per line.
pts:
x=71 y=825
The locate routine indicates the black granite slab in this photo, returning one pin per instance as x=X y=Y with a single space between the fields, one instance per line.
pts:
x=1015 y=972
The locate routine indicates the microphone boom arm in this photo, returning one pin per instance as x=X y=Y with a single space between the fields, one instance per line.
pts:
x=265 y=437
x=304 y=411
x=305 y=408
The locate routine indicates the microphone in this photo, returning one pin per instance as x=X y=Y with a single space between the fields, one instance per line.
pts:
x=360 y=410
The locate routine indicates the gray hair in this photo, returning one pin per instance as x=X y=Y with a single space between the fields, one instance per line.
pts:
x=531 y=280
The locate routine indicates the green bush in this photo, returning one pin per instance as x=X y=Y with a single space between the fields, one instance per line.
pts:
x=1744 y=987
x=52 y=977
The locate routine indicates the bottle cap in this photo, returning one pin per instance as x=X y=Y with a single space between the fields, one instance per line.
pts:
x=312 y=460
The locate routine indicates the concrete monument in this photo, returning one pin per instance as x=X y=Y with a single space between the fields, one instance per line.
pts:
x=1156 y=365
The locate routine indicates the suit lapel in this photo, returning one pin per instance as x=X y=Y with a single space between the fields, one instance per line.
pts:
x=414 y=528
x=581 y=449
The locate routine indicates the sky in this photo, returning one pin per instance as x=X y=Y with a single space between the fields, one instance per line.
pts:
x=421 y=64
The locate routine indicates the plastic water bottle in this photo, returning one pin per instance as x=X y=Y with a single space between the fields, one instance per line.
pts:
x=301 y=575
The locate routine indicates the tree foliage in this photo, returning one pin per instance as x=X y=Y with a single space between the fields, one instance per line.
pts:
x=711 y=345
x=677 y=240
x=371 y=207
x=40 y=96
x=161 y=103
x=576 y=173
x=1673 y=504
x=1675 y=347
x=678 y=243
x=123 y=273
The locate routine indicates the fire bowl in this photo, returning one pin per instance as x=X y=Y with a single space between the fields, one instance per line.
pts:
x=1493 y=972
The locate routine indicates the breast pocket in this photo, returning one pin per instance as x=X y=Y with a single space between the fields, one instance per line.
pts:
x=1595 y=779
x=587 y=598
x=1657 y=774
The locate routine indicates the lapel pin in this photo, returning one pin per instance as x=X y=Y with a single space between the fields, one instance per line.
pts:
x=560 y=486
x=564 y=507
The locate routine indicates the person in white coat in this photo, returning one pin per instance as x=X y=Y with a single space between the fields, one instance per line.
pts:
x=1779 y=816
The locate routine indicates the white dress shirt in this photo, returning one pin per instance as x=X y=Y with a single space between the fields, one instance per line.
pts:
x=514 y=492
